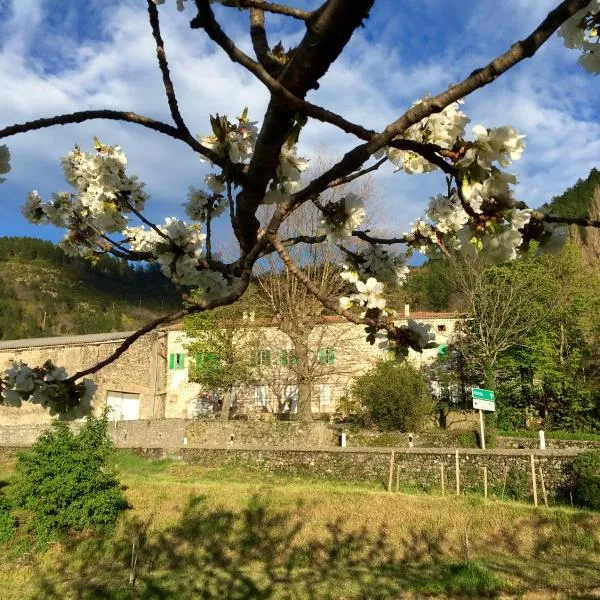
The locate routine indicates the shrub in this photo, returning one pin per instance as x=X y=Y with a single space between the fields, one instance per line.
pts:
x=8 y=523
x=586 y=471
x=65 y=482
x=393 y=396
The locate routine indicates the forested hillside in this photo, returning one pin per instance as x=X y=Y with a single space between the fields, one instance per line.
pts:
x=44 y=292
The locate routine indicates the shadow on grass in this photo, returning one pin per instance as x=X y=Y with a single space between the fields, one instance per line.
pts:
x=257 y=553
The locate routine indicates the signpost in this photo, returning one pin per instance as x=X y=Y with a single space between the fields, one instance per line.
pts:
x=483 y=400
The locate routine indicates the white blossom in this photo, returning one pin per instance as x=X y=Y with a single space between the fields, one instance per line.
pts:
x=447 y=213
x=236 y=141
x=287 y=176
x=199 y=203
x=343 y=218
x=442 y=129
x=370 y=293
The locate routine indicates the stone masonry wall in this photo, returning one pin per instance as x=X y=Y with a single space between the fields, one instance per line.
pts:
x=418 y=467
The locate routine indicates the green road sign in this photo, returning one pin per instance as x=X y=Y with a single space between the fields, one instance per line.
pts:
x=483 y=399
x=479 y=394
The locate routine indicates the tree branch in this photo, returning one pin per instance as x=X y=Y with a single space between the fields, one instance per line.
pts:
x=582 y=221
x=330 y=303
x=164 y=67
x=233 y=171
x=280 y=9
x=479 y=78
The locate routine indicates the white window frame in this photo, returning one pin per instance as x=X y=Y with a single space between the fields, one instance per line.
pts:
x=325 y=396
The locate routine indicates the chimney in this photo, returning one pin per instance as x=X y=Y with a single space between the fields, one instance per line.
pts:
x=407 y=310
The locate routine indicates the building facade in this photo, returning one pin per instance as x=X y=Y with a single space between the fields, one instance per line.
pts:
x=151 y=379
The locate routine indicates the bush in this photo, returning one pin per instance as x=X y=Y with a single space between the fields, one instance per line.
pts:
x=393 y=396
x=65 y=482
x=8 y=523
x=586 y=471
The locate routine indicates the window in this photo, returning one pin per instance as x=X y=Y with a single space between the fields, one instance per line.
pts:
x=326 y=356
x=287 y=358
x=261 y=357
x=123 y=406
x=441 y=327
x=260 y=396
x=325 y=396
x=176 y=361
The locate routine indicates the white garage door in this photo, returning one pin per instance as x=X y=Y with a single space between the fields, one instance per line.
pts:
x=123 y=406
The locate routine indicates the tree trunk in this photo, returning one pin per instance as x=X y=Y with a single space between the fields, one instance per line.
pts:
x=304 y=413
x=303 y=374
x=227 y=402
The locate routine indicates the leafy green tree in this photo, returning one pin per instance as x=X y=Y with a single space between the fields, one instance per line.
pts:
x=65 y=482
x=223 y=350
x=394 y=396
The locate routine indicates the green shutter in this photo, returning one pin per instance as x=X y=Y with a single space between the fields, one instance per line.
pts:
x=171 y=361
x=321 y=356
x=331 y=356
x=266 y=357
x=294 y=360
x=284 y=357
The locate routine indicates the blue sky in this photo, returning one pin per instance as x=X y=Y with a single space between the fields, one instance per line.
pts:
x=58 y=56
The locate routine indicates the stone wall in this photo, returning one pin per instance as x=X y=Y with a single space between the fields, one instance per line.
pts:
x=419 y=468
x=522 y=442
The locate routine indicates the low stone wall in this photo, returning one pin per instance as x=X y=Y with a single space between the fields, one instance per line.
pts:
x=522 y=442
x=151 y=433
x=274 y=433
x=171 y=433
x=418 y=467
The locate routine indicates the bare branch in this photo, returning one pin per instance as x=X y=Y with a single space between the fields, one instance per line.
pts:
x=260 y=43
x=280 y=9
x=164 y=67
x=330 y=303
x=353 y=176
x=582 y=221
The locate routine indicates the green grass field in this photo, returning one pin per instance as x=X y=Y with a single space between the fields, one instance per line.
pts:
x=195 y=532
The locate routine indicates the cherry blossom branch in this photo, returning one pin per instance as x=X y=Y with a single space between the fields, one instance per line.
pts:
x=328 y=302
x=233 y=171
x=353 y=176
x=479 y=78
x=164 y=67
x=146 y=221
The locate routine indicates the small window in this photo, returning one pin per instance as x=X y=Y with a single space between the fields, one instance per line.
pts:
x=441 y=327
x=287 y=358
x=325 y=396
x=176 y=361
x=326 y=356
x=261 y=357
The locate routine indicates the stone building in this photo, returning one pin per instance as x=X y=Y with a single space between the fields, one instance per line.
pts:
x=133 y=386
x=151 y=379
x=338 y=352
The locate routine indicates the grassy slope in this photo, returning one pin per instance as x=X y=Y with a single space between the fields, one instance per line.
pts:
x=352 y=541
x=75 y=302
